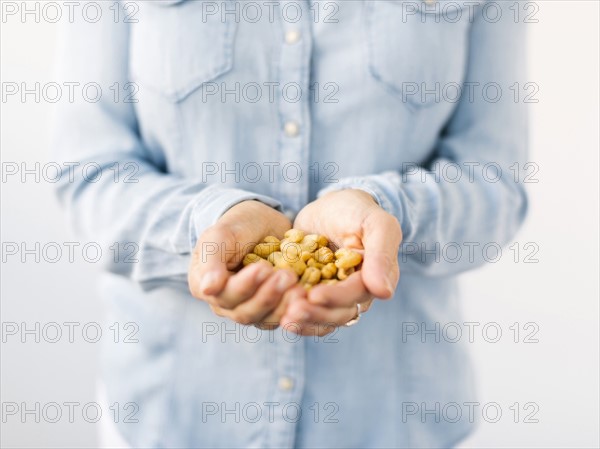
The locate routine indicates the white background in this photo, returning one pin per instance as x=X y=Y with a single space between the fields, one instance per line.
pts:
x=559 y=293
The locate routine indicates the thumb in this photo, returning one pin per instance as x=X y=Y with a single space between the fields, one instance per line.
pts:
x=208 y=272
x=381 y=239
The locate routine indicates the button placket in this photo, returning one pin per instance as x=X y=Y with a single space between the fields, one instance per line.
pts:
x=293 y=100
x=287 y=395
x=294 y=132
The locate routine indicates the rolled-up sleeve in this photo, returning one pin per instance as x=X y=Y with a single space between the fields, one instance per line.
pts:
x=486 y=139
x=117 y=193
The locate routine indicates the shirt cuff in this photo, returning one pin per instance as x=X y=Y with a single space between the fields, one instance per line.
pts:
x=214 y=202
x=381 y=188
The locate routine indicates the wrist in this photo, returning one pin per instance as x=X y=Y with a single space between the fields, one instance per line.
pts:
x=273 y=222
x=354 y=191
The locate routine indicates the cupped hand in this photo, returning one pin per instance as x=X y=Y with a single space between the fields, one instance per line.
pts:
x=352 y=219
x=253 y=295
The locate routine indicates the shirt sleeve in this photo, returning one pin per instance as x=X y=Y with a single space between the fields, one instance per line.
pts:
x=117 y=193
x=487 y=140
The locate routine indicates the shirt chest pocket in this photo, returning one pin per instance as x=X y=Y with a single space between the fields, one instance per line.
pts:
x=178 y=45
x=418 y=50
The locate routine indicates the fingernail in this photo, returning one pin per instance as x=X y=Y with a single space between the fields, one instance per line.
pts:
x=285 y=281
x=208 y=281
x=388 y=287
x=262 y=274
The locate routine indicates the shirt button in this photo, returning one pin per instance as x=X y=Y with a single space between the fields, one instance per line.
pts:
x=286 y=384
x=291 y=37
x=291 y=129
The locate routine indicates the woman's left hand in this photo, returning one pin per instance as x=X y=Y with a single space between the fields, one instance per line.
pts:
x=350 y=219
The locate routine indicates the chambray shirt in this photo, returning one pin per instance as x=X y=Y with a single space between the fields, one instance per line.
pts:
x=203 y=105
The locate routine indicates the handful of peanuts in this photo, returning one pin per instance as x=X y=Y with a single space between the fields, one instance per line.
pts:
x=310 y=256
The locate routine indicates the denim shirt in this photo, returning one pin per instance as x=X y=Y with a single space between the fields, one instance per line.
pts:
x=207 y=104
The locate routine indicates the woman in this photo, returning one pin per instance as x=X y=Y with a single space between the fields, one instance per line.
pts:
x=219 y=123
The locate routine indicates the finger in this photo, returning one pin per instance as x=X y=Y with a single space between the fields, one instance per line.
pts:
x=272 y=320
x=242 y=285
x=313 y=330
x=302 y=315
x=342 y=294
x=321 y=321
x=265 y=300
x=381 y=238
x=303 y=312
x=208 y=271
x=307 y=319
x=292 y=296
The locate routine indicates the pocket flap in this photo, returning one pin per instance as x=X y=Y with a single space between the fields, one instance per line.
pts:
x=176 y=49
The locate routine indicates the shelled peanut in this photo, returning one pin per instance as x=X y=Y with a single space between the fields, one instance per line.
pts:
x=309 y=255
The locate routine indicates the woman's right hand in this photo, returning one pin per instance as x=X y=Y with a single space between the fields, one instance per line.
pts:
x=254 y=295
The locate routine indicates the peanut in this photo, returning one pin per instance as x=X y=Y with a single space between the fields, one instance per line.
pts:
x=343 y=273
x=322 y=241
x=309 y=243
x=324 y=255
x=329 y=281
x=307 y=255
x=311 y=276
x=276 y=258
x=299 y=267
x=251 y=258
x=294 y=235
x=328 y=271
x=313 y=263
x=292 y=252
x=264 y=249
x=346 y=258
